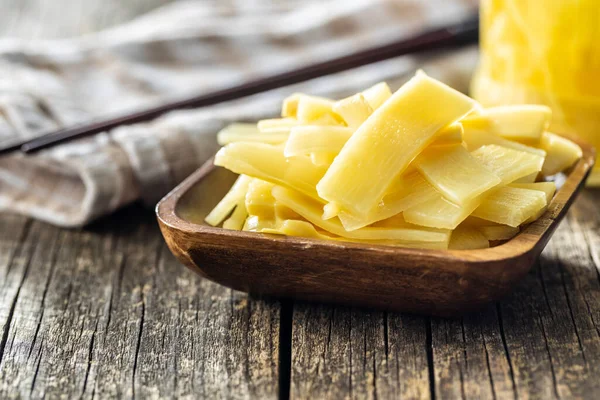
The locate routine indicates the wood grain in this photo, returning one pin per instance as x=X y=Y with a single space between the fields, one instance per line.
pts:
x=361 y=354
x=110 y=313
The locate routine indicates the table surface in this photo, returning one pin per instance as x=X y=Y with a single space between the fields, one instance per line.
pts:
x=107 y=311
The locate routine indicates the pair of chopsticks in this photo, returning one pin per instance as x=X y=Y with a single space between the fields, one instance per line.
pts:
x=456 y=35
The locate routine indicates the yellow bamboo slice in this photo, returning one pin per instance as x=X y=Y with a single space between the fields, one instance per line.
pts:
x=393 y=222
x=259 y=201
x=298 y=228
x=322 y=159
x=241 y=132
x=268 y=163
x=474 y=138
x=227 y=203
x=289 y=107
x=498 y=232
x=561 y=153
x=276 y=125
x=515 y=122
x=331 y=210
x=313 y=109
x=282 y=213
x=256 y=223
x=307 y=139
x=409 y=190
x=354 y=110
x=311 y=211
x=549 y=188
x=308 y=230
x=531 y=178
x=449 y=136
x=509 y=164
x=455 y=173
x=377 y=94
x=440 y=213
x=477 y=222
x=511 y=205
x=237 y=218
x=467 y=238
x=388 y=140
x=491 y=230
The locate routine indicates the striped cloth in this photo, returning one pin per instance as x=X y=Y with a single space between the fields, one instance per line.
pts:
x=183 y=48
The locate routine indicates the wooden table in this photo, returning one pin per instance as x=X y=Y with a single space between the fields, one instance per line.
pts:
x=107 y=311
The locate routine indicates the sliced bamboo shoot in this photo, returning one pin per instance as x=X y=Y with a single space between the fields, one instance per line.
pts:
x=259 y=200
x=511 y=205
x=475 y=138
x=531 y=178
x=331 y=210
x=498 y=232
x=231 y=199
x=491 y=230
x=249 y=133
x=298 y=228
x=289 y=107
x=237 y=218
x=408 y=191
x=467 y=238
x=322 y=159
x=282 y=213
x=354 y=110
x=308 y=230
x=388 y=140
x=304 y=140
x=313 y=109
x=561 y=153
x=549 y=188
x=455 y=173
x=451 y=135
x=509 y=164
x=276 y=125
x=440 y=213
x=312 y=210
x=377 y=94
x=268 y=163
x=256 y=223
x=515 y=122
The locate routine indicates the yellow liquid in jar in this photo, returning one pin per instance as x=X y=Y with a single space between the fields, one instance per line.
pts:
x=544 y=52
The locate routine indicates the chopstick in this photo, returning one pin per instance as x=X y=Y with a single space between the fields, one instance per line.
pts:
x=459 y=34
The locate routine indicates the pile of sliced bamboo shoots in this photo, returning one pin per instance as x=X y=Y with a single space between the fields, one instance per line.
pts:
x=425 y=167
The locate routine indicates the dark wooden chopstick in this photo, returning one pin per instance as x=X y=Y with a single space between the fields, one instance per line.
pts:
x=460 y=34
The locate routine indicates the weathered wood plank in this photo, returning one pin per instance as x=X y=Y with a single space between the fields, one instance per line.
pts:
x=18 y=355
x=15 y=250
x=339 y=352
x=108 y=312
x=410 y=353
x=469 y=360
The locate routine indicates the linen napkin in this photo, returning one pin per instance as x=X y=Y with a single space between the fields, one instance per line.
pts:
x=174 y=51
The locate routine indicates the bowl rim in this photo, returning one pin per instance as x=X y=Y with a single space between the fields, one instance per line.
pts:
x=532 y=238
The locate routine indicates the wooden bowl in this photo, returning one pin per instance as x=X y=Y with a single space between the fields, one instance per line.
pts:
x=436 y=282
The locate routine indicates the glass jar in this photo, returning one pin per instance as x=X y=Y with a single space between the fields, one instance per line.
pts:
x=544 y=52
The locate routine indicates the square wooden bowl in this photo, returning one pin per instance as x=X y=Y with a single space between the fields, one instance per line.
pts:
x=435 y=282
